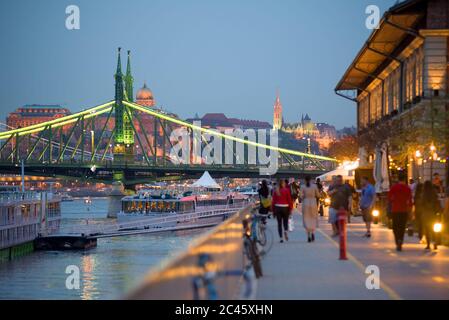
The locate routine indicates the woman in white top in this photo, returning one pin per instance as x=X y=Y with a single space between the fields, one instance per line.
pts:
x=309 y=194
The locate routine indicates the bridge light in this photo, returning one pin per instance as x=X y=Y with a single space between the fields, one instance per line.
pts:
x=93 y=168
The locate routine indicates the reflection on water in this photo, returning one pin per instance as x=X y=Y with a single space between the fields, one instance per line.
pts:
x=106 y=272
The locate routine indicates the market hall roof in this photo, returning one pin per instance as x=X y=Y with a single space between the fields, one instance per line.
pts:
x=396 y=27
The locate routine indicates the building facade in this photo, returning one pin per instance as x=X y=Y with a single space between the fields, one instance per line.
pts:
x=399 y=81
x=322 y=133
x=29 y=115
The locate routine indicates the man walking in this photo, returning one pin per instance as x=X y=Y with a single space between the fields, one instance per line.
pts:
x=367 y=201
x=339 y=194
x=400 y=198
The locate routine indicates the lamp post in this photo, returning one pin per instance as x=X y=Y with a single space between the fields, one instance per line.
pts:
x=433 y=157
x=92 y=141
x=418 y=162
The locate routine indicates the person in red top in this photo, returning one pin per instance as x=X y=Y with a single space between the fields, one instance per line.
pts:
x=282 y=206
x=400 y=201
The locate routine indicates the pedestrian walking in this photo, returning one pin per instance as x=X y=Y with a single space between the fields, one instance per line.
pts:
x=417 y=202
x=339 y=194
x=281 y=206
x=309 y=194
x=400 y=199
x=265 y=200
x=413 y=185
x=319 y=200
x=367 y=201
x=430 y=209
x=352 y=192
x=294 y=192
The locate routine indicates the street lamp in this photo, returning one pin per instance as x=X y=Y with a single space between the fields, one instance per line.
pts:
x=92 y=137
x=433 y=157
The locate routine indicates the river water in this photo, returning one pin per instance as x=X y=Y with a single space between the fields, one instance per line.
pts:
x=108 y=271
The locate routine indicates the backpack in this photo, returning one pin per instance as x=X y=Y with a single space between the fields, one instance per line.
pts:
x=266 y=202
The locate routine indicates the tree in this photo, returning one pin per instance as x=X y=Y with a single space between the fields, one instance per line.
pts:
x=344 y=149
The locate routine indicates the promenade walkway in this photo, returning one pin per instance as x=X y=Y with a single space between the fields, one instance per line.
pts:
x=300 y=270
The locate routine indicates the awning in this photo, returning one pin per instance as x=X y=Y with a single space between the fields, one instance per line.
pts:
x=382 y=46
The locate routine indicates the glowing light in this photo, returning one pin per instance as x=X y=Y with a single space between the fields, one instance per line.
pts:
x=437 y=227
x=375 y=213
x=433 y=148
x=418 y=154
x=222 y=135
x=350 y=165
x=327 y=201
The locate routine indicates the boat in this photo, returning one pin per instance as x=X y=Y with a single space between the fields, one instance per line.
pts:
x=24 y=215
x=145 y=204
x=190 y=206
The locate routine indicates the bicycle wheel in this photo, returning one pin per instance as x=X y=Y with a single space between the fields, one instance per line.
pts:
x=261 y=235
x=252 y=253
x=256 y=259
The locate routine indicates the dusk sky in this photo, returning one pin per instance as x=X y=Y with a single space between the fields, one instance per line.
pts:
x=196 y=56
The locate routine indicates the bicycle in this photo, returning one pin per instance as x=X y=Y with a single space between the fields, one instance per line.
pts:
x=251 y=250
x=258 y=229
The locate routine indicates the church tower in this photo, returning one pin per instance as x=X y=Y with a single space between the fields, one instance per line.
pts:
x=277 y=116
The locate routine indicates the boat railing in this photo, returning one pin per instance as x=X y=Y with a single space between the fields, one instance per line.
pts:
x=14 y=197
x=102 y=228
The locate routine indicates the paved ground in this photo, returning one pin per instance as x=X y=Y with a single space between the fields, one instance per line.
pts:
x=300 y=270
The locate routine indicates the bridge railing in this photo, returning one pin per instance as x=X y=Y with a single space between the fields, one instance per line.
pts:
x=218 y=255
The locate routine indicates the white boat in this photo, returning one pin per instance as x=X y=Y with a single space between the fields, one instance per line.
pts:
x=23 y=216
x=182 y=206
x=148 y=205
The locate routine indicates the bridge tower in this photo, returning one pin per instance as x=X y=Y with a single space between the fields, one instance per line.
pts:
x=129 y=80
x=123 y=132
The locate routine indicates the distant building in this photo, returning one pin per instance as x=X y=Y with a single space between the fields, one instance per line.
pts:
x=29 y=115
x=346 y=131
x=277 y=114
x=220 y=122
x=144 y=97
x=322 y=133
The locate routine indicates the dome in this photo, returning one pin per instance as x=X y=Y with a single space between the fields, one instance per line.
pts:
x=144 y=93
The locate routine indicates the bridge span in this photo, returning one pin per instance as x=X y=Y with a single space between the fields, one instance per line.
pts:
x=111 y=142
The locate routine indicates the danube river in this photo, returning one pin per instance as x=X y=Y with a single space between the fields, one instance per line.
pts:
x=106 y=272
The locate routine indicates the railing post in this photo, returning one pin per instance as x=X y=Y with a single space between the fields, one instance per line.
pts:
x=342 y=216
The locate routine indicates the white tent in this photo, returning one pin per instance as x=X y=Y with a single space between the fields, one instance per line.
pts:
x=206 y=181
x=346 y=174
x=347 y=171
